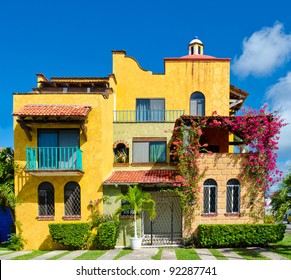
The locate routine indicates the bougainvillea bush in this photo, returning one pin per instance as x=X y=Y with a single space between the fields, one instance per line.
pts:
x=257 y=130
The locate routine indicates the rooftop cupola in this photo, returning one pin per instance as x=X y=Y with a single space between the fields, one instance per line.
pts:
x=195 y=46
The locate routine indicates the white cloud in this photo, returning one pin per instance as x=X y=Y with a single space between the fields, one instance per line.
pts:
x=263 y=52
x=279 y=97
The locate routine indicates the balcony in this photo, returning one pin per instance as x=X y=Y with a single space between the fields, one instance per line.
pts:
x=54 y=161
x=147 y=116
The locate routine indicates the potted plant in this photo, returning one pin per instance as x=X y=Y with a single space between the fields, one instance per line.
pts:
x=136 y=202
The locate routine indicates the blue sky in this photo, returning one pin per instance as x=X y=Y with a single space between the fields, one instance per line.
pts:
x=75 y=38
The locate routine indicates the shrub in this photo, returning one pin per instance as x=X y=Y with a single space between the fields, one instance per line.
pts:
x=106 y=235
x=16 y=241
x=239 y=235
x=70 y=234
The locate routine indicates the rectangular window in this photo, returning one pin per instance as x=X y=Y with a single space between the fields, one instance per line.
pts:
x=232 y=199
x=150 y=110
x=57 y=148
x=149 y=151
x=209 y=199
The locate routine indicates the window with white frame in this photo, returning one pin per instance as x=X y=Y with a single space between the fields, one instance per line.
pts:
x=146 y=150
x=197 y=104
x=150 y=110
x=233 y=196
x=210 y=197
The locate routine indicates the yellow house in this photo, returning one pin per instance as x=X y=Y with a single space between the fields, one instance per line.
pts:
x=77 y=139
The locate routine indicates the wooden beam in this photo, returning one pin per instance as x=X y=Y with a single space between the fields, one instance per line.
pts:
x=26 y=128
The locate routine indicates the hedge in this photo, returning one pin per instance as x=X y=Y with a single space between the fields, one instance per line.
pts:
x=239 y=235
x=70 y=234
x=106 y=236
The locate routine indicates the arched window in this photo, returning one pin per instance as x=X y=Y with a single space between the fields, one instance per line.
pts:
x=197 y=104
x=233 y=196
x=72 y=199
x=121 y=153
x=46 y=199
x=210 y=194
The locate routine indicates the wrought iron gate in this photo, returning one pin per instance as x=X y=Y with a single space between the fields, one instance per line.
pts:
x=166 y=228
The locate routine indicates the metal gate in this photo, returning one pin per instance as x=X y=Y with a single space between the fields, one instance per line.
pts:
x=166 y=228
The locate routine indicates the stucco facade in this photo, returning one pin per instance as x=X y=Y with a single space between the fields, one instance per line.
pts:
x=131 y=113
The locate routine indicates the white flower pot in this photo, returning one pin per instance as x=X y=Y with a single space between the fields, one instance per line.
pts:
x=135 y=243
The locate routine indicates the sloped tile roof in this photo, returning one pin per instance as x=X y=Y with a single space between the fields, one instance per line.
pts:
x=53 y=110
x=143 y=176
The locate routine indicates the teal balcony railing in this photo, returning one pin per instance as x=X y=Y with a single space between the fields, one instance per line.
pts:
x=147 y=115
x=53 y=158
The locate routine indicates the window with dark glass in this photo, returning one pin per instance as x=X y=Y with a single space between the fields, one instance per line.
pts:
x=197 y=104
x=150 y=110
x=72 y=199
x=57 y=148
x=149 y=151
x=46 y=200
x=210 y=196
x=233 y=196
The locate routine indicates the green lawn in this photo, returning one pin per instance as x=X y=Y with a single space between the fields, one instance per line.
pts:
x=186 y=254
x=122 y=253
x=283 y=247
x=91 y=255
x=31 y=255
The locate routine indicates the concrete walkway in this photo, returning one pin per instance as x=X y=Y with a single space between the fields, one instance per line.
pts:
x=73 y=255
x=141 y=254
x=49 y=255
x=110 y=255
x=14 y=254
x=204 y=254
x=268 y=254
x=230 y=254
x=169 y=254
x=144 y=254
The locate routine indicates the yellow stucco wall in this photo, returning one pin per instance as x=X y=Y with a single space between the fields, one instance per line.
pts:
x=180 y=80
x=97 y=163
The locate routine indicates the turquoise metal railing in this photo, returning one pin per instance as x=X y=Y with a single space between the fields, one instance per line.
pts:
x=53 y=158
x=147 y=115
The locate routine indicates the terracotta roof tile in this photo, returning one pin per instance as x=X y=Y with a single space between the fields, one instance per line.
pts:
x=143 y=176
x=53 y=110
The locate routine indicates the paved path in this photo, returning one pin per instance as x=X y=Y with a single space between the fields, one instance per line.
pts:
x=230 y=254
x=73 y=255
x=48 y=255
x=109 y=255
x=204 y=254
x=141 y=254
x=144 y=254
x=169 y=254
x=14 y=254
x=268 y=254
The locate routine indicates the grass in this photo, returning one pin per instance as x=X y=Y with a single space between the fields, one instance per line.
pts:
x=31 y=255
x=122 y=253
x=217 y=254
x=59 y=255
x=249 y=254
x=186 y=254
x=91 y=255
x=283 y=247
x=158 y=255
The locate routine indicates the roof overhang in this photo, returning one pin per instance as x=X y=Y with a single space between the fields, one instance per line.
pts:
x=56 y=114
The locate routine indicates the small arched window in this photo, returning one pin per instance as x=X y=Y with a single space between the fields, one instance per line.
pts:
x=197 y=104
x=72 y=199
x=210 y=196
x=121 y=153
x=46 y=199
x=233 y=196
